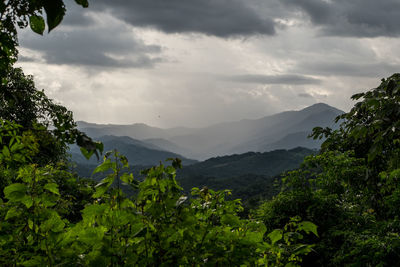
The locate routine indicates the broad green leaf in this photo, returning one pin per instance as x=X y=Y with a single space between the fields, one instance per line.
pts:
x=35 y=261
x=47 y=200
x=230 y=219
x=15 y=191
x=6 y=152
x=37 y=24
x=83 y=3
x=100 y=190
x=254 y=236
x=55 y=11
x=92 y=236
x=106 y=165
x=13 y=212
x=87 y=154
x=54 y=224
x=92 y=211
x=16 y=146
x=121 y=217
x=275 y=235
x=308 y=227
x=302 y=249
x=106 y=181
x=127 y=178
x=27 y=201
x=52 y=187
x=124 y=161
x=30 y=224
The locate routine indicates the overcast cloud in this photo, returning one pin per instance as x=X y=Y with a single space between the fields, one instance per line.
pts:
x=355 y=18
x=93 y=42
x=273 y=79
x=199 y=62
x=221 y=18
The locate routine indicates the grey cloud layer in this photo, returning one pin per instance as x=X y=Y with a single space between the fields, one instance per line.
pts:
x=289 y=79
x=227 y=18
x=305 y=95
x=358 y=18
x=98 y=46
x=347 y=69
x=87 y=43
x=81 y=40
x=223 y=18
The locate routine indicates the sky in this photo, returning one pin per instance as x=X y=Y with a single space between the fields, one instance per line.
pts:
x=194 y=63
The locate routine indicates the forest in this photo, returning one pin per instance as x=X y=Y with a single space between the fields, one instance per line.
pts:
x=339 y=208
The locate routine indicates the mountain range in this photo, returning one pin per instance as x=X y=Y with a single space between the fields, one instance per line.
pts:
x=251 y=176
x=137 y=152
x=250 y=165
x=284 y=130
x=246 y=156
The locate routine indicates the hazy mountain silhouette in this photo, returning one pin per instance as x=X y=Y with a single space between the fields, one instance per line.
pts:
x=283 y=130
x=137 y=152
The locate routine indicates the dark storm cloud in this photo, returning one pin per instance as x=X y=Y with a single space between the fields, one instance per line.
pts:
x=290 y=79
x=359 y=18
x=347 y=69
x=223 y=18
x=104 y=47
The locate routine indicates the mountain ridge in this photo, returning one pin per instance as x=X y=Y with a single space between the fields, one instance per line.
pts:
x=228 y=137
x=137 y=152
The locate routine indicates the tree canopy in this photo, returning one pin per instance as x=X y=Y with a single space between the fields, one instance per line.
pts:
x=351 y=190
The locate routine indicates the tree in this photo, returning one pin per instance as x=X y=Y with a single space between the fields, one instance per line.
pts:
x=51 y=124
x=352 y=188
x=21 y=13
x=372 y=127
x=20 y=102
x=371 y=130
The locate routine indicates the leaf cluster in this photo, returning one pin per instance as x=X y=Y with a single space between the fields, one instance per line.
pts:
x=158 y=226
x=21 y=13
x=351 y=189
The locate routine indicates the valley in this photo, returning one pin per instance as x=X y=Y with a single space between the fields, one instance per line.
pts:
x=246 y=156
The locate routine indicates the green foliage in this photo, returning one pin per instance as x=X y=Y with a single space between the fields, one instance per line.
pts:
x=23 y=104
x=371 y=128
x=32 y=227
x=351 y=189
x=16 y=149
x=37 y=24
x=20 y=102
x=157 y=226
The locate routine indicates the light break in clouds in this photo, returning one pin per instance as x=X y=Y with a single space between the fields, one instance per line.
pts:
x=199 y=62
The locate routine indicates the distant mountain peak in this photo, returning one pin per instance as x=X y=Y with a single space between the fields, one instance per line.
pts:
x=319 y=107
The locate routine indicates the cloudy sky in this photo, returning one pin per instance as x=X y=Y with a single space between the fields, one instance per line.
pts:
x=197 y=62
